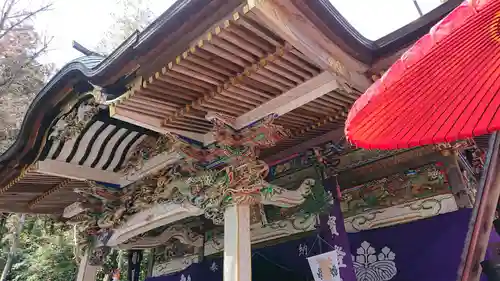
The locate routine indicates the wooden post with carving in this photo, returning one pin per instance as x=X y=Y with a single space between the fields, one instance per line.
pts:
x=87 y=272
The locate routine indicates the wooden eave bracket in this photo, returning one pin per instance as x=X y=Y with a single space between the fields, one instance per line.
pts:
x=294 y=98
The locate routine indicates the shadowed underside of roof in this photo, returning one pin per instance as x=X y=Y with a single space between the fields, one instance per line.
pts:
x=241 y=48
x=40 y=193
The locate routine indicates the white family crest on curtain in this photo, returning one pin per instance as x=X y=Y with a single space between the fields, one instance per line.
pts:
x=369 y=266
x=325 y=267
x=184 y=278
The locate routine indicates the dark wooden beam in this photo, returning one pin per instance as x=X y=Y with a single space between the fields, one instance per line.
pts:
x=482 y=215
x=334 y=135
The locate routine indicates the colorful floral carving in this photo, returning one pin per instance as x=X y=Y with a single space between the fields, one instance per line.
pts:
x=150 y=147
x=397 y=189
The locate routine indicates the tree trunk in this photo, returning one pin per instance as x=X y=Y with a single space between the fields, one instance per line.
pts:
x=3 y=219
x=151 y=263
x=13 y=249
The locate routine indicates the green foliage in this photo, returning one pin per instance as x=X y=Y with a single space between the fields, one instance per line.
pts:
x=44 y=250
x=317 y=202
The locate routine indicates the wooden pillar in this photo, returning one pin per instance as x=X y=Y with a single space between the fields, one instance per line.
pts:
x=482 y=214
x=86 y=272
x=237 y=244
x=456 y=181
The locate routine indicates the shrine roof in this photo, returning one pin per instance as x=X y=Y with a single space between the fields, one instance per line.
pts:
x=338 y=26
x=145 y=55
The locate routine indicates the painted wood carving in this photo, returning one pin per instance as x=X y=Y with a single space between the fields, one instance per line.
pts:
x=403 y=213
x=207 y=179
x=423 y=182
x=152 y=238
x=74 y=118
x=341 y=158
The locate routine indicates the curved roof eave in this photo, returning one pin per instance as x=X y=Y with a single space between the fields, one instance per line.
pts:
x=338 y=29
x=104 y=71
x=48 y=103
x=94 y=69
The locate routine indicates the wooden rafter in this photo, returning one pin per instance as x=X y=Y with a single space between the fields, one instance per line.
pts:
x=292 y=25
x=222 y=90
x=17 y=179
x=56 y=188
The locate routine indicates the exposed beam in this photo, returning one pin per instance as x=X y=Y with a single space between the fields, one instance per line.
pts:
x=56 y=188
x=77 y=172
x=286 y=102
x=291 y=24
x=151 y=218
x=294 y=98
x=332 y=135
x=151 y=123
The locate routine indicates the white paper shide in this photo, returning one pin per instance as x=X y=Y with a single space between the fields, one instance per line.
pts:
x=325 y=267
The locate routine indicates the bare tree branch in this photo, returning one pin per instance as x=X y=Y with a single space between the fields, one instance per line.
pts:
x=29 y=15
x=8 y=81
x=8 y=5
x=21 y=75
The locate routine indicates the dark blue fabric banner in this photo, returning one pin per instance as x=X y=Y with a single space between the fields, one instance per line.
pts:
x=427 y=250
x=134 y=265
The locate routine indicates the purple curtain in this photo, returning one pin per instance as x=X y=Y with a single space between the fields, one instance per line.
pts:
x=334 y=236
x=427 y=249
x=493 y=250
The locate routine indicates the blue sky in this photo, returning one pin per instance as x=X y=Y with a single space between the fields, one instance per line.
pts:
x=86 y=21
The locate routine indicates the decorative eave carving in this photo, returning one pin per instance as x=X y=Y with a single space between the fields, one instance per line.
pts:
x=150 y=147
x=228 y=172
x=74 y=119
x=396 y=189
x=73 y=210
x=403 y=213
x=174 y=265
x=448 y=149
x=261 y=233
x=193 y=185
x=158 y=215
x=179 y=232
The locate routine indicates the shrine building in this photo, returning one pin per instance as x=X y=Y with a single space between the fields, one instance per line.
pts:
x=213 y=141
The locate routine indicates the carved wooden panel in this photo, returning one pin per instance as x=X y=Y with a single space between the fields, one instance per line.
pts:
x=414 y=184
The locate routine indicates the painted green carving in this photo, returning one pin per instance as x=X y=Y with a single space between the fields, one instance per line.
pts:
x=396 y=189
